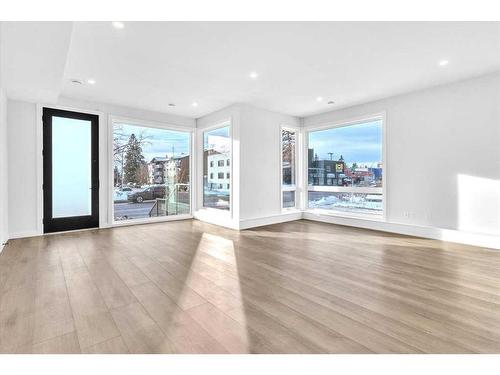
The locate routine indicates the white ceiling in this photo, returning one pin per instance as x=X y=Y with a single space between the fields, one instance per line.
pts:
x=148 y=65
x=33 y=58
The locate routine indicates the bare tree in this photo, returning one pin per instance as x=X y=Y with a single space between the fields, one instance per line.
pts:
x=288 y=155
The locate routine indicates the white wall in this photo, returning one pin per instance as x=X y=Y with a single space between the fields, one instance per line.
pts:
x=260 y=185
x=3 y=153
x=22 y=177
x=24 y=185
x=443 y=154
x=3 y=171
x=256 y=173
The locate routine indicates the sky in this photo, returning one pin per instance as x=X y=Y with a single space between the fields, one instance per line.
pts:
x=160 y=141
x=360 y=143
x=217 y=139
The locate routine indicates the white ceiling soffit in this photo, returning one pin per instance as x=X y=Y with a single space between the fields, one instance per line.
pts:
x=33 y=59
x=149 y=65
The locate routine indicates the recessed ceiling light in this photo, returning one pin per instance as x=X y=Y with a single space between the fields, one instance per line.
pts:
x=443 y=62
x=254 y=75
x=319 y=99
x=118 y=24
x=91 y=81
x=76 y=81
x=194 y=104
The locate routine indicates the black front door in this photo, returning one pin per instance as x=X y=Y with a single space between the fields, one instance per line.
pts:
x=70 y=170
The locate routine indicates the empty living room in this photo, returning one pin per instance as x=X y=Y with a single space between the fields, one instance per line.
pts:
x=249 y=187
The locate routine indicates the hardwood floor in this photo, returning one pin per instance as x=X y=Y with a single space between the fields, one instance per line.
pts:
x=298 y=287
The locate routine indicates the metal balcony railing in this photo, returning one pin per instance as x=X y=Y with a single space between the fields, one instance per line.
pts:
x=162 y=207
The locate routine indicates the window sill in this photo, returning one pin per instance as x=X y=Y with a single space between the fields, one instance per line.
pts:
x=151 y=220
x=345 y=215
x=215 y=211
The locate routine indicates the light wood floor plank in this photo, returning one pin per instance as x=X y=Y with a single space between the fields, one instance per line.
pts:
x=139 y=331
x=111 y=346
x=65 y=344
x=186 y=335
x=297 y=287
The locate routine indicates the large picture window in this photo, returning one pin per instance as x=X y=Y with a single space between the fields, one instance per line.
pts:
x=345 y=168
x=288 y=167
x=217 y=168
x=151 y=174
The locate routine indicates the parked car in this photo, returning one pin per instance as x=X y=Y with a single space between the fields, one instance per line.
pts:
x=149 y=193
x=126 y=188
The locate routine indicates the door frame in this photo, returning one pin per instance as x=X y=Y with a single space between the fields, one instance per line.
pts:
x=49 y=224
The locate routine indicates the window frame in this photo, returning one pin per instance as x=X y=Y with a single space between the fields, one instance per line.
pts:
x=200 y=186
x=112 y=120
x=296 y=187
x=380 y=116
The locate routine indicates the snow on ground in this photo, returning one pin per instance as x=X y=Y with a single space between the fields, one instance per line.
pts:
x=353 y=202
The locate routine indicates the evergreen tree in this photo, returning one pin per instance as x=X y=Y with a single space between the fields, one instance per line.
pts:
x=133 y=160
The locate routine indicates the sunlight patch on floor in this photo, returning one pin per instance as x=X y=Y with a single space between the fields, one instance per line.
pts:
x=221 y=288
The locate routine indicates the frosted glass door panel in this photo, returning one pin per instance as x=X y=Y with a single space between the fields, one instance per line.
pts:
x=71 y=167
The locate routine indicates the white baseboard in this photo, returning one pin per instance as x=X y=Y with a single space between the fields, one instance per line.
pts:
x=450 y=235
x=25 y=234
x=268 y=220
x=155 y=220
x=222 y=220
x=216 y=218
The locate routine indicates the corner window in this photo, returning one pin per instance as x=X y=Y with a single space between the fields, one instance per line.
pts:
x=151 y=176
x=216 y=149
x=288 y=167
x=345 y=168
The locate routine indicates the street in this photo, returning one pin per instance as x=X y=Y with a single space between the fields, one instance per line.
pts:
x=129 y=210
